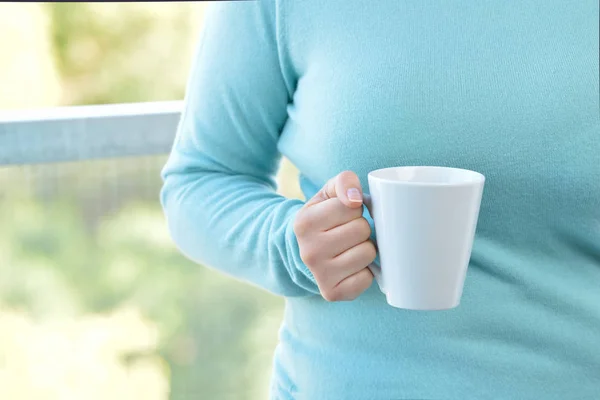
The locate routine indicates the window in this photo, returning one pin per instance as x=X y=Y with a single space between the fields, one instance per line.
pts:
x=95 y=301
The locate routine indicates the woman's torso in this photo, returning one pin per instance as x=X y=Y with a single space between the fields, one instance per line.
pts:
x=509 y=89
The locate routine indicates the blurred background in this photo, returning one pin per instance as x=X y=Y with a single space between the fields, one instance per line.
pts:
x=95 y=300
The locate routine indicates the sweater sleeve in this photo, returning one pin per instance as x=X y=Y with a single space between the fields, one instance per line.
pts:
x=219 y=192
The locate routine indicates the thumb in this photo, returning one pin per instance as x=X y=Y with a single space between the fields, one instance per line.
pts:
x=345 y=186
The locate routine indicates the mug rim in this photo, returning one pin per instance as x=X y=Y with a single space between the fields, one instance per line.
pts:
x=478 y=178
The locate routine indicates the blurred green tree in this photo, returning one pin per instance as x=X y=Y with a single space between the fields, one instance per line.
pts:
x=123 y=52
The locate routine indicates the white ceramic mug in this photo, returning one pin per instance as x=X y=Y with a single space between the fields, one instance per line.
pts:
x=425 y=220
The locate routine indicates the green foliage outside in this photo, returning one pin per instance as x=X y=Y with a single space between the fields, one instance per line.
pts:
x=95 y=300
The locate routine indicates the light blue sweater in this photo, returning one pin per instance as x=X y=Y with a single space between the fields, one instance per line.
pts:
x=507 y=88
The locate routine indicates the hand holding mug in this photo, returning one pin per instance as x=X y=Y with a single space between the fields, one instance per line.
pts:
x=425 y=219
x=333 y=237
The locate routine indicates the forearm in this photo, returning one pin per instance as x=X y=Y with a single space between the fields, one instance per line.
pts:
x=238 y=225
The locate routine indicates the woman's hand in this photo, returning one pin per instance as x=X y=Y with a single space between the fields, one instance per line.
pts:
x=334 y=239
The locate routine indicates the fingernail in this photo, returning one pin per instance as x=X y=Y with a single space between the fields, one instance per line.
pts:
x=354 y=195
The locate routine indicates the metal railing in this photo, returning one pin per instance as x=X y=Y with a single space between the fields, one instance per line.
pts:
x=87 y=132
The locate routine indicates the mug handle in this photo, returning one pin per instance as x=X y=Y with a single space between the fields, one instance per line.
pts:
x=375 y=269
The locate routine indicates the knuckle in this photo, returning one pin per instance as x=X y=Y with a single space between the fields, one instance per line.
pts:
x=356 y=213
x=370 y=251
x=310 y=257
x=364 y=229
x=301 y=225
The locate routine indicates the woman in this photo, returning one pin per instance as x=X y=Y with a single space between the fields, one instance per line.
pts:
x=506 y=88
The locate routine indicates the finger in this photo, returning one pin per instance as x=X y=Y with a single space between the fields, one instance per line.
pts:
x=352 y=260
x=346 y=236
x=345 y=186
x=349 y=190
x=354 y=285
x=330 y=214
